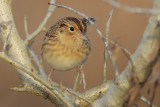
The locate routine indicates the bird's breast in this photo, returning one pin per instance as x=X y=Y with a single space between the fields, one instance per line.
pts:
x=63 y=57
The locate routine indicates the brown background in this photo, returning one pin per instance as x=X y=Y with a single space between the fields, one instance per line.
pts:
x=126 y=28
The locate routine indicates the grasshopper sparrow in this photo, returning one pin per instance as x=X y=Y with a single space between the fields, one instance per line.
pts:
x=66 y=44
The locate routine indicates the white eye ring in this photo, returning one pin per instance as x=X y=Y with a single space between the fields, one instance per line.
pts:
x=71 y=29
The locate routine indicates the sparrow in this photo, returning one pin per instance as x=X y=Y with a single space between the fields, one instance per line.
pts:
x=66 y=44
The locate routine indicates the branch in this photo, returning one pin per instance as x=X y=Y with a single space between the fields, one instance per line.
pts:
x=105 y=51
x=94 y=94
x=17 y=49
x=17 y=53
x=76 y=81
x=133 y=9
x=43 y=23
x=38 y=63
x=37 y=80
x=143 y=59
x=147 y=101
x=33 y=55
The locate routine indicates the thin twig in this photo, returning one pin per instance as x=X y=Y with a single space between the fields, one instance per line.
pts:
x=142 y=98
x=133 y=9
x=38 y=63
x=105 y=66
x=97 y=29
x=34 y=56
x=107 y=38
x=43 y=23
x=76 y=82
x=108 y=23
x=154 y=92
x=83 y=79
x=76 y=94
x=122 y=48
x=127 y=53
x=7 y=40
x=26 y=26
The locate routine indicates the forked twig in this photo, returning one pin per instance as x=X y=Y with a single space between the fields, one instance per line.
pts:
x=105 y=52
x=122 y=48
x=38 y=63
x=41 y=26
x=34 y=56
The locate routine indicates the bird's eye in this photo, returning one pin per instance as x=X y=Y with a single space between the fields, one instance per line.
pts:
x=71 y=29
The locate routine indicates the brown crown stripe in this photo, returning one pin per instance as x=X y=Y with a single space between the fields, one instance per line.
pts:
x=78 y=22
x=81 y=25
x=62 y=25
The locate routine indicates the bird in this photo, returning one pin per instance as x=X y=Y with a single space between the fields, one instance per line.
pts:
x=66 y=44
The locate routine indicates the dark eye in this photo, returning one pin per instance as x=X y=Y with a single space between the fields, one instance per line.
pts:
x=71 y=29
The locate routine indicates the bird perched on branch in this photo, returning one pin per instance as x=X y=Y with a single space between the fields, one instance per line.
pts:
x=66 y=44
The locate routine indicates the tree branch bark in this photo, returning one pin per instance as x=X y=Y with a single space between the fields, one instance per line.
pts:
x=143 y=60
x=17 y=52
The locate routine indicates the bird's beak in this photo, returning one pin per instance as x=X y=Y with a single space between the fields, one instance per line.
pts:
x=81 y=34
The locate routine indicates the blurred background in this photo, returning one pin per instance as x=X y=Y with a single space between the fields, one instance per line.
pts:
x=126 y=29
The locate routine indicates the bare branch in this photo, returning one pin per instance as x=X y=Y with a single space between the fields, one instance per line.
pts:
x=82 y=80
x=34 y=56
x=147 y=101
x=122 y=48
x=105 y=52
x=154 y=92
x=43 y=23
x=108 y=23
x=76 y=81
x=14 y=63
x=29 y=72
x=26 y=26
x=94 y=93
x=77 y=95
x=38 y=63
x=18 y=57
x=143 y=59
x=133 y=9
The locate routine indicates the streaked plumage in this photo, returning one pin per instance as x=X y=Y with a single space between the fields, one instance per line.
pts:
x=66 y=45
